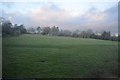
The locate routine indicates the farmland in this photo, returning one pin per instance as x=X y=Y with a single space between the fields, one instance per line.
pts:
x=38 y=56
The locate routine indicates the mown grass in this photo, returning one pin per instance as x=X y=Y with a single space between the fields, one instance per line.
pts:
x=37 y=56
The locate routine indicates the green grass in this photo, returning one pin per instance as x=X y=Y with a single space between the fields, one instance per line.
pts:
x=37 y=56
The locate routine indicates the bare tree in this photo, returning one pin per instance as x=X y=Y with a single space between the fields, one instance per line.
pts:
x=38 y=30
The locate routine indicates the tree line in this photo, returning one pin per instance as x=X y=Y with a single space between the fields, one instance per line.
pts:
x=8 y=29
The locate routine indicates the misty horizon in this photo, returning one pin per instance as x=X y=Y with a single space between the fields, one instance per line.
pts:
x=69 y=16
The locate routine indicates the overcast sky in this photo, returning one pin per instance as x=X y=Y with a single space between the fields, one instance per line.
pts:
x=97 y=15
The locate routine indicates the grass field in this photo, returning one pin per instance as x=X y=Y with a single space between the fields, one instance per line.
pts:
x=37 y=56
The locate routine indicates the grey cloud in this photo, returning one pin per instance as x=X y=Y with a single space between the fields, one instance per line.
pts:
x=65 y=21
